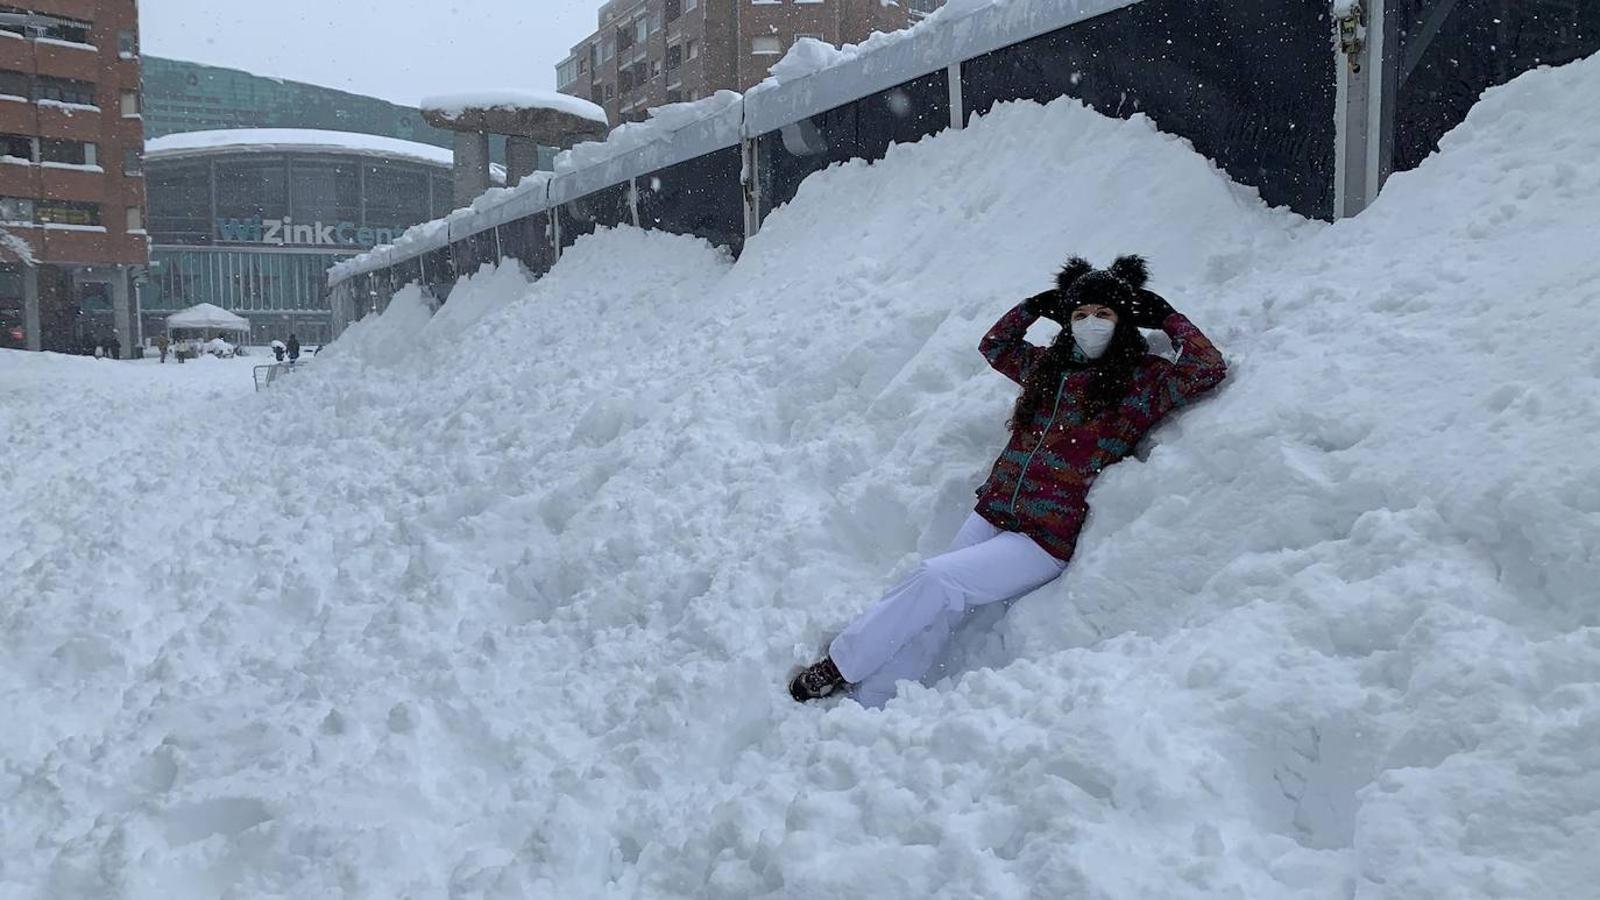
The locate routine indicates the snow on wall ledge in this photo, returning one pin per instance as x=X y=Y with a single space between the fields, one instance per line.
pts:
x=504 y=610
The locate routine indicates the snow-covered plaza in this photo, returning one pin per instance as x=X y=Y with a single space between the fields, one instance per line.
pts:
x=500 y=601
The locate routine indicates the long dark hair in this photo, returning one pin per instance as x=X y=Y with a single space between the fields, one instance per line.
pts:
x=1109 y=379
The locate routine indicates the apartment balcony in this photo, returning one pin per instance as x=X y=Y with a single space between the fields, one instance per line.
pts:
x=60 y=181
x=72 y=121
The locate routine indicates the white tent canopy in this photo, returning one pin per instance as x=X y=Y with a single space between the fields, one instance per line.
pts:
x=208 y=317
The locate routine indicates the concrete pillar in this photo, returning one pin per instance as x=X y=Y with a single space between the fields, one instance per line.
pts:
x=471 y=166
x=122 y=318
x=30 y=307
x=522 y=158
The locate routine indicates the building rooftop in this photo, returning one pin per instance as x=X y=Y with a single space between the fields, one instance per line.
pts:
x=454 y=105
x=280 y=140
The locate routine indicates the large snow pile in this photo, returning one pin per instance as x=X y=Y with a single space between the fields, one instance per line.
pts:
x=503 y=603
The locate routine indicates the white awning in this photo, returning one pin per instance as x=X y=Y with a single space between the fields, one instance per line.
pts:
x=206 y=316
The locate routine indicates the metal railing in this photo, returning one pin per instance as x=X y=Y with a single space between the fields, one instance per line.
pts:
x=267 y=374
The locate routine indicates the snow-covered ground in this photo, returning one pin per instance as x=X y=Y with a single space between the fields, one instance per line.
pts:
x=507 y=611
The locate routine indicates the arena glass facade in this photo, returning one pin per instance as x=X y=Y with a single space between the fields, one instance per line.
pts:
x=250 y=222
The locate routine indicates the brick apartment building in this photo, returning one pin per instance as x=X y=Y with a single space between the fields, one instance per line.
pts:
x=71 y=183
x=652 y=52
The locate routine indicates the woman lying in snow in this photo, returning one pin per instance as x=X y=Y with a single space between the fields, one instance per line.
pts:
x=1085 y=402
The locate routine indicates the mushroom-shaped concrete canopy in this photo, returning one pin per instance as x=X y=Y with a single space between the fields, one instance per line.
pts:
x=528 y=119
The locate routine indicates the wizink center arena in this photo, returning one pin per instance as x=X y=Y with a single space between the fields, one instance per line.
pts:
x=251 y=219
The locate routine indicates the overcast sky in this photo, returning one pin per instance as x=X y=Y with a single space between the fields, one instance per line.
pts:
x=400 y=50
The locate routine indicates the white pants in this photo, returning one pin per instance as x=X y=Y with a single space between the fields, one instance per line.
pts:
x=902 y=635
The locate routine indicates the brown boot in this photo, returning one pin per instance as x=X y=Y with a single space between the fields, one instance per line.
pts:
x=816 y=681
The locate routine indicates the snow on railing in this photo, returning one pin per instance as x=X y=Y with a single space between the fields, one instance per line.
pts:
x=811 y=78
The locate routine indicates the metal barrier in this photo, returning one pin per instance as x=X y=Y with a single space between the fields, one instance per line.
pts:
x=267 y=374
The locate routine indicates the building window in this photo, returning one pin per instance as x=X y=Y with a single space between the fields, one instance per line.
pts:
x=674 y=9
x=594 y=58
x=249 y=188
x=70 y=153
x=816 y=37
x=674 y=57
x=179 y=195
x=691 y=50
x=566 y=73
x=675 y=96
x=16 y=211
x=16 y=147
x=322 y=192
x=66 y=212
x=53 y=27
x=70 y=30
x=127 y=44
x=64 y=90
x=15 y=85
x=641 y=29
x=766 y=46
x=132 y=161
x=130 y=104
x=690 y=4
x=135 y=219
x=655 y=68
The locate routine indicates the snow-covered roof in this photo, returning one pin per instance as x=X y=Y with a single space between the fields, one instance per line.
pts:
x=454 y=104
x=280 y=140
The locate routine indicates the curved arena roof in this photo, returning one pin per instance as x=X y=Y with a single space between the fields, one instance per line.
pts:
x=301 y=140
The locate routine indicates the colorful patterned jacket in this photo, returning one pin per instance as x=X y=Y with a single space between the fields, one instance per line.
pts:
x=1039 y=484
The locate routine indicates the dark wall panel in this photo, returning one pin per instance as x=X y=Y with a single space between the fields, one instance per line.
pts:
x=701 y=197
x=863 y=129
x=484 y=248
x=1451 y=51
x=408 y=272
x=1249 y=82
x=461 y=258
x=438 y=268
x=605 y=208
x=528 y=240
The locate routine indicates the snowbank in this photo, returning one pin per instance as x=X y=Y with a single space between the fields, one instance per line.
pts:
x=507 y=610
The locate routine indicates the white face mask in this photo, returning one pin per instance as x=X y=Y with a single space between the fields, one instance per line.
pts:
x=1092 y=335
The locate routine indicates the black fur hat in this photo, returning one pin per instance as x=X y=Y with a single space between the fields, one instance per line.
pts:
x=1116 y=287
